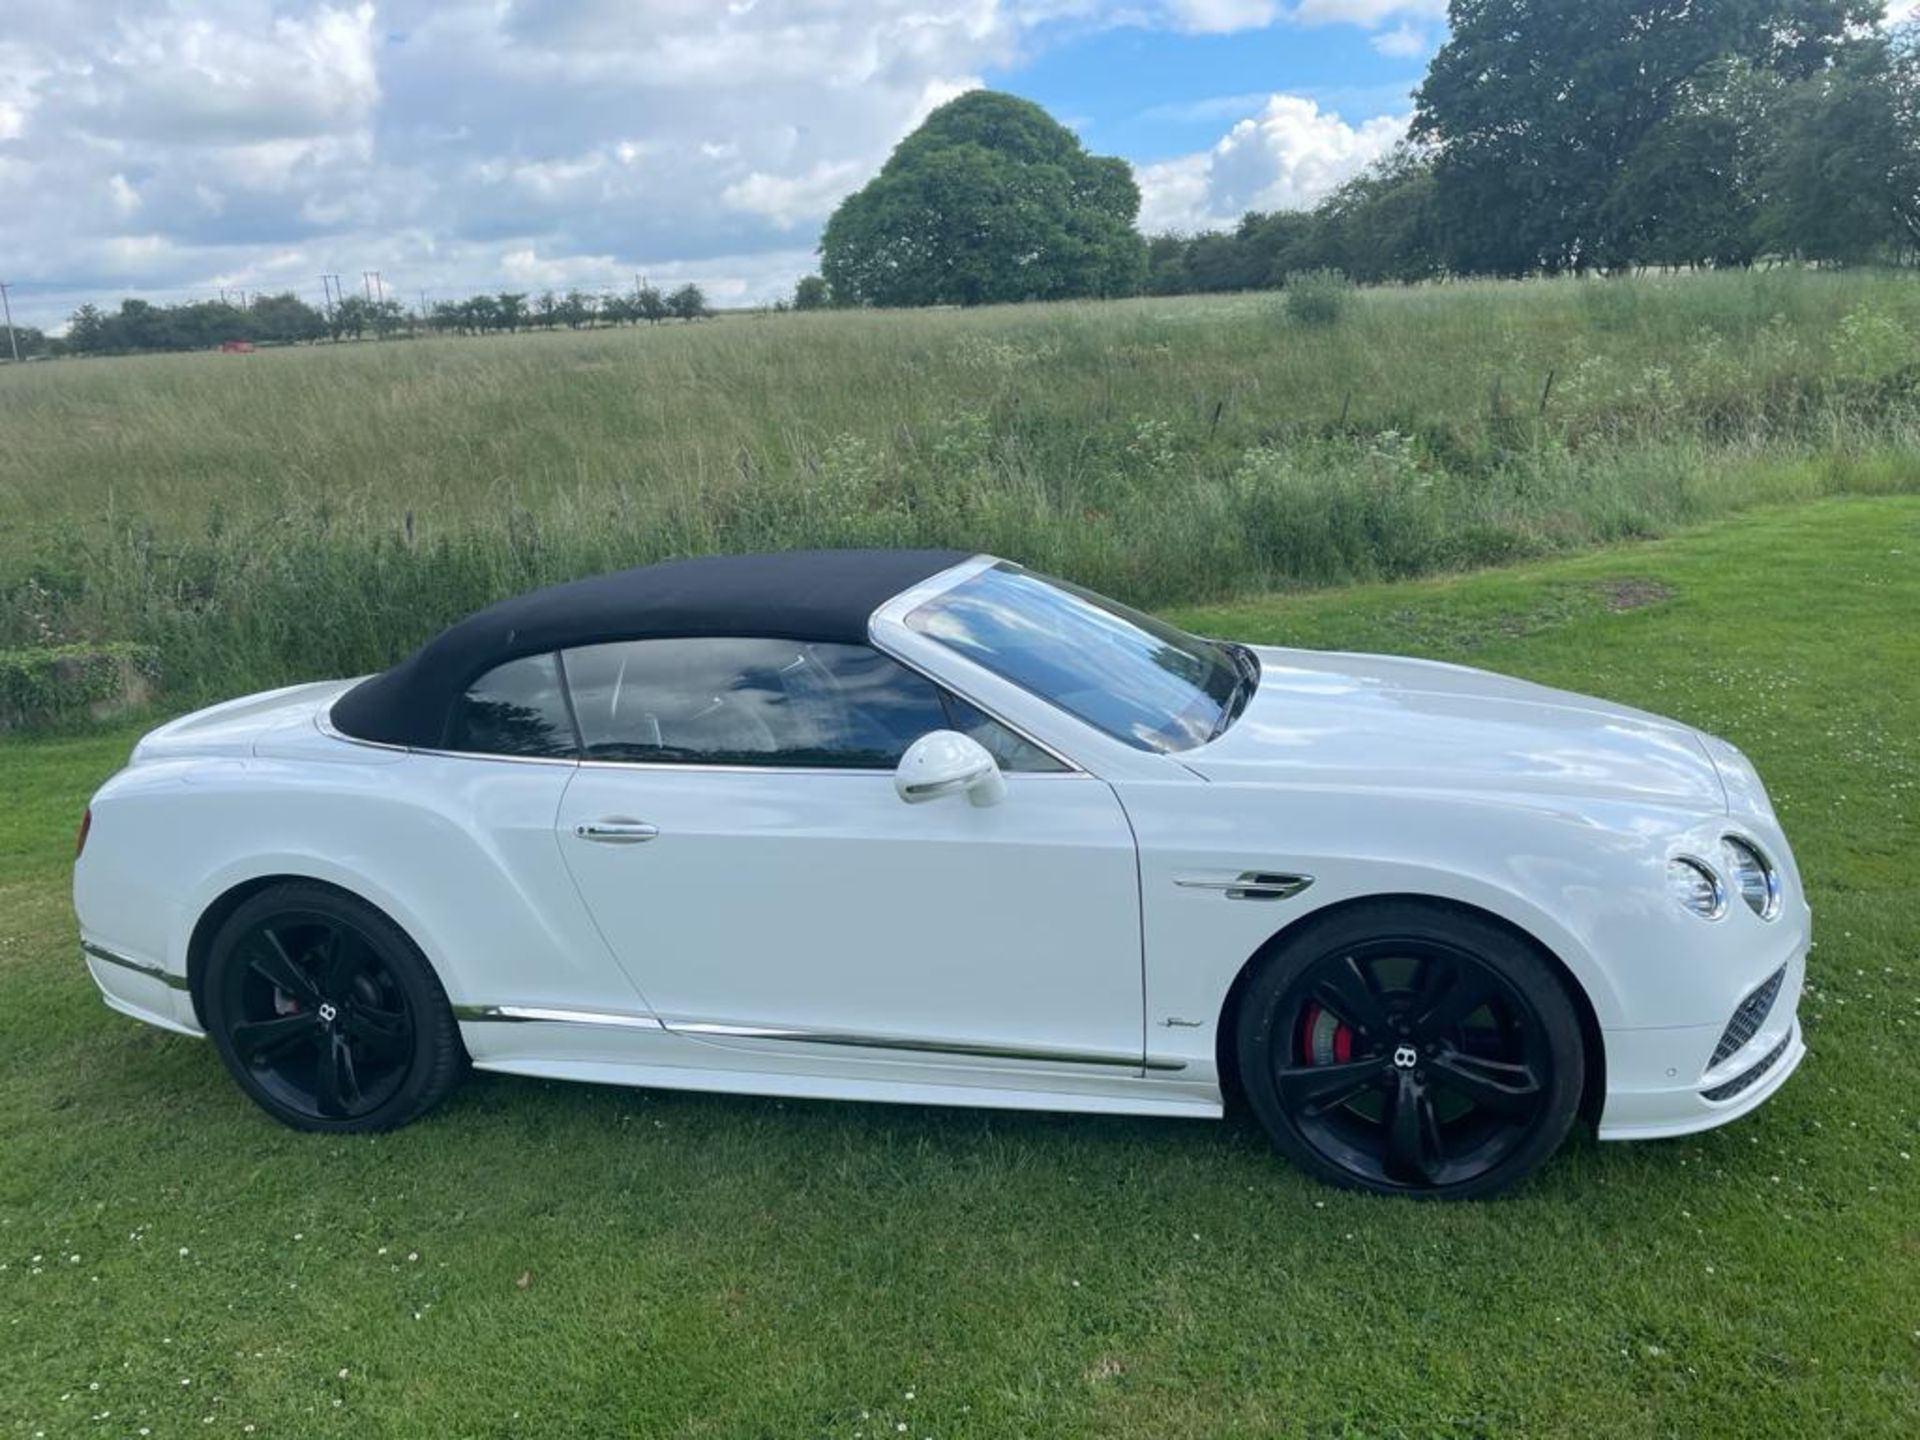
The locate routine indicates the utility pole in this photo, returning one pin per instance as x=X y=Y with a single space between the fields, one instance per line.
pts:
x=372 y=280
x=326 y=289
x=7 y=305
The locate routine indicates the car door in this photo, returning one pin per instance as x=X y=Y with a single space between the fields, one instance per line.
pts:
x=735 y=832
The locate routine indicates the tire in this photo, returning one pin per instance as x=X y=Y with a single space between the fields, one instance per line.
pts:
x=326 y=1015
x=1409 y=1048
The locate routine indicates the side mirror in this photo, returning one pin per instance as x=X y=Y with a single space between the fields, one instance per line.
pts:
x=946 y=762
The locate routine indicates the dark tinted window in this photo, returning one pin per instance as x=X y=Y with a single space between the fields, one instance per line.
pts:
x=749 y=702
x=515 y=709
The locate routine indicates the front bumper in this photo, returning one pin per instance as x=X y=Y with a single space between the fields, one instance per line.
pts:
x=1659 y=1081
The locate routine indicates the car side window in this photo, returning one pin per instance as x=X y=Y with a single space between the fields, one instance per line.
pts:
x=1015 y=755
x=749 y=701
x=518 y=708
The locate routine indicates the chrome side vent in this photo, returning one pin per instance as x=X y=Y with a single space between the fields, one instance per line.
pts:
x=1252 y=885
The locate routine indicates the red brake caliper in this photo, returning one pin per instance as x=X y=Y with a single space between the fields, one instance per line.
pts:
x=1324 y=1038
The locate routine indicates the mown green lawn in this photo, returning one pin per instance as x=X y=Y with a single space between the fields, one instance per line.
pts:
x=539 y=1259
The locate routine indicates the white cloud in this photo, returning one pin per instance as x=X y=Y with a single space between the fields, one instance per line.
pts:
x=194 y=80
x=466 y=144
x=1403 y=42
x=1901 y=11
x=789 y=200
x=1223 y=16
x=1369 y=13
x=1288 y=157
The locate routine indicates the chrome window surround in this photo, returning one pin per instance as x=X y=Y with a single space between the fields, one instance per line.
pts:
x=324 y=721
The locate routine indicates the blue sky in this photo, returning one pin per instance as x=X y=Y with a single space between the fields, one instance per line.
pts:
x=181 y=149
x=1152 y=95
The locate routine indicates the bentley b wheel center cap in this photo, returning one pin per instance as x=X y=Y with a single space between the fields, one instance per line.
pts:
x=1406 y=1057
x=327 y=1013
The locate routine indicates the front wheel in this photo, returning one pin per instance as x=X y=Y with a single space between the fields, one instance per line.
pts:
x=1410 y=1049
x=326 y=1014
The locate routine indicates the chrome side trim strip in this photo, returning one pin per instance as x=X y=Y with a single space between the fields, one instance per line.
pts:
x=714 y=1030
x=326 y=728
x=139 y=967
x=929 y=1047
x=1253 y=885
x=526 y=1014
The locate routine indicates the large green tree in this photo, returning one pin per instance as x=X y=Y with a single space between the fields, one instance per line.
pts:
x=1840 y=162
x=1574 y=134
x=990 y=200
x=1379 y=226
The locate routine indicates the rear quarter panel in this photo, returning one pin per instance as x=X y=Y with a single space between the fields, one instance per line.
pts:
x=460 y=852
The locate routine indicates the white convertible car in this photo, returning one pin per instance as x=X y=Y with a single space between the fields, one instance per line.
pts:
x=928 y=827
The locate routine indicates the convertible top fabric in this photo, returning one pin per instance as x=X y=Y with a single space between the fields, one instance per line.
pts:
x=818 y=595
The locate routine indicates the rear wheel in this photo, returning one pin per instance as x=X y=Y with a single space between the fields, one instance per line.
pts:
x=1409 y=1049
x=327 y=1014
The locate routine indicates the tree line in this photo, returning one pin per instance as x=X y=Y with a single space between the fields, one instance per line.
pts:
x=139 y=326
x=1557 y=136
x=1549 y=136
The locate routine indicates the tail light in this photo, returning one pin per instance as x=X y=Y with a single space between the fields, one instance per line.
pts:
x=86 y=828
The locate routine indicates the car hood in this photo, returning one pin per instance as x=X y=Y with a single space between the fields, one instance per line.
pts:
x=1380 y=722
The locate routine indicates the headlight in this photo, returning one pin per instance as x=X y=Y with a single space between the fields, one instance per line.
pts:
x=1696 y=887
x=1756 y=880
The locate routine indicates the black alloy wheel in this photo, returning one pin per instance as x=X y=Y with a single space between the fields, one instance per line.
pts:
x=1411 y=1049
x=326 y=1014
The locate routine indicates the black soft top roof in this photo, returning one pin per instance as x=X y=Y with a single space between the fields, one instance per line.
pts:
x=819 y=595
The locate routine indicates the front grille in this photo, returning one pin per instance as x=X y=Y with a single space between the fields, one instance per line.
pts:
x=1748 y=1018
x=1742 y=1083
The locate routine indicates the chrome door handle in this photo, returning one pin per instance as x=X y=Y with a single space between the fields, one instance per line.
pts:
x=616 y=832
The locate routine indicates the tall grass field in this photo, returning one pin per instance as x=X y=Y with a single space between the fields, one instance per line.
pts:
x=262 y=518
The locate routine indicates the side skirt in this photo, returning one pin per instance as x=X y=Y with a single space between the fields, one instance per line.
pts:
x=641 y=1050
x=793 y=1085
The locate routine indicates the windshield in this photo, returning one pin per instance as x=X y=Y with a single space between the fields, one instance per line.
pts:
x=1136 y=678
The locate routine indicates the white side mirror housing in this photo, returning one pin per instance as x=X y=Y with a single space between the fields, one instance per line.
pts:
x=945 y=762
